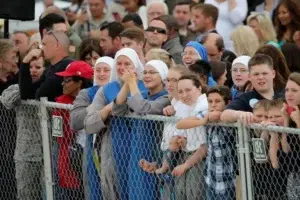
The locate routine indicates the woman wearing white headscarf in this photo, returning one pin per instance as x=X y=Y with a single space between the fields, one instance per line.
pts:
x=113 y=168
x=145 y=134
x=102 y=75
x=239 y=74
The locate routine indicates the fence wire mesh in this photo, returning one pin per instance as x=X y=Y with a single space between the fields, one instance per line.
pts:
x=142 y=157
x=274 y=162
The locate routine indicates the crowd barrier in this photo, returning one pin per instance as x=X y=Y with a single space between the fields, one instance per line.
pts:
x=42 y=158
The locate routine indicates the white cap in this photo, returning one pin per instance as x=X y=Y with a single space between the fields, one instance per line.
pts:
x=160 y=67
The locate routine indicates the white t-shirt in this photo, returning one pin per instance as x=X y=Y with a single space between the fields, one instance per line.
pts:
x=170 y=130
x=228 y=21
x=195 y=136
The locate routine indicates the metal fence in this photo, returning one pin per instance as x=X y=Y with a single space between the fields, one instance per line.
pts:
x=141 y=157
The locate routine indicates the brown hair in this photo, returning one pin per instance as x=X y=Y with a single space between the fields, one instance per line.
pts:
x=87 y=46
x=218 y=68
x=208 y=10
x=264 y=103
x=279 y=65
x=276 y=103
x=180 y=69
x=293 y=7
x=295 y=77
x=224 y=91
x=193 y=78
x=260 y=59
x=134 y=33
x=5 y=46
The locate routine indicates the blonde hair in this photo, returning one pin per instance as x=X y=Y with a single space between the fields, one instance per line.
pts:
x=245 y=41
x=265 y=25
x=163 y=55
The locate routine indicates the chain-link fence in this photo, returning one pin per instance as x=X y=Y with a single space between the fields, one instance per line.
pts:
x=274 y=158
x=141 y=157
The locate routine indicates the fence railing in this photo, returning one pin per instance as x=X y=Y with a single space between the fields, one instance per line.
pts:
x=137 y=157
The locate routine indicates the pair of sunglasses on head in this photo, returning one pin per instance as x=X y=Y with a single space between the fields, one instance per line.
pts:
x=157 y=29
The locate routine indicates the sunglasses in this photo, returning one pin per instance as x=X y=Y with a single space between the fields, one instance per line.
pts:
x=157 y=29
x=67 y=80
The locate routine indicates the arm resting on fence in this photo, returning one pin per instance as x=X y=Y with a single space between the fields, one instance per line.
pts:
x=191 y=122
x=94 y=121
x=79 y=111
x=143 y=106
x=27 y=88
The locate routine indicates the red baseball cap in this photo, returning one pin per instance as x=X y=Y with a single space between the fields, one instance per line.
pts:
x=78 y=68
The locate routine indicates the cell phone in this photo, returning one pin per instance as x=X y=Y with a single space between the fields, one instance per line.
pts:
x=289 y=110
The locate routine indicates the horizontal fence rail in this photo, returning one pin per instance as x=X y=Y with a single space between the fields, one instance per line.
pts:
x=141 y=157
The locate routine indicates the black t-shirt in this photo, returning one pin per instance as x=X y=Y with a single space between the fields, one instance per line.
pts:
x=246 y=101
x=49 y=85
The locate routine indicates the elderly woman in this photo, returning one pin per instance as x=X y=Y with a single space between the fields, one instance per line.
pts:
x=114 y=177
x=28 y=152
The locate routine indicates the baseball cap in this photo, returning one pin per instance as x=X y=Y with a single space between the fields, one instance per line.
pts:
x=78 y=68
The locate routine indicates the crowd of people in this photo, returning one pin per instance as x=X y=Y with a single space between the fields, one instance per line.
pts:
x=201 y=61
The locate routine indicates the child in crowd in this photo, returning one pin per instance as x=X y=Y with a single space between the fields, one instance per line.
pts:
x=178 y=145
x=260 y=113
x=220 y=168
x=276 y=140
x=178 y=109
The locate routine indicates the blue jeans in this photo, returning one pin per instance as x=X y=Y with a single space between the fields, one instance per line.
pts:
x=212 y=195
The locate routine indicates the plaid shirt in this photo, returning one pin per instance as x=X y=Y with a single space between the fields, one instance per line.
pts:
x=221 y=160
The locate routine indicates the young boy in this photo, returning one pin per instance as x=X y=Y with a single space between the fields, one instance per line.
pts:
x=221 y=160
x=275 y=118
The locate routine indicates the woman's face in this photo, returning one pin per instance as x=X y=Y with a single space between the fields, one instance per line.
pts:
x=70 y=87
x=151 y=78
x=292 y=93
x=36 y=69
x=284 y=15
x=222 y=78
x=188 y=93
x=91 y=58
x=102 y=73
x=124 y=63
x=255 y=26
x=190 y=56
x=172 y=82
x=239 y=74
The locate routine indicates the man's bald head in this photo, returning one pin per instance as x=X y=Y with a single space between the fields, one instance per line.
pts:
x=214 y=45
x=55 y=45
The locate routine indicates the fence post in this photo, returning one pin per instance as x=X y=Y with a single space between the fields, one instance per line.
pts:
x=46 y=149
x=242 y=167
x=248 y=162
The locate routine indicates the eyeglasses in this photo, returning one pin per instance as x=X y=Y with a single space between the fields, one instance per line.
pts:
x=172 y=80
x=189 y=54
x=242 y=71
x=150 y=72
x=157 y=29
x=52 y=33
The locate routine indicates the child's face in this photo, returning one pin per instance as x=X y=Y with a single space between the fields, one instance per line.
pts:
x=188 y=93
x=260 y=114
x=275 y=116
x=171 y=82
x=215 y=102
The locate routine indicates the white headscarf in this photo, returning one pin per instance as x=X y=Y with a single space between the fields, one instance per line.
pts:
x=241 y=60
x=132 y=55
x=160 y=67
x=107 y=60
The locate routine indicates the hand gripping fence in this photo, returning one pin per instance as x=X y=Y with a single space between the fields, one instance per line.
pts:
x=141 y=158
